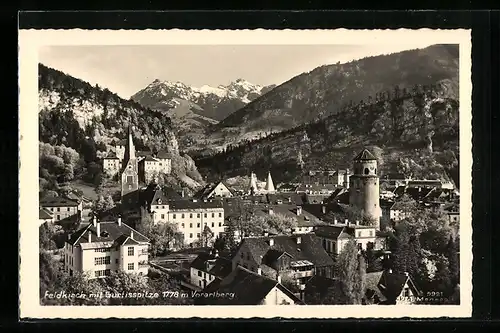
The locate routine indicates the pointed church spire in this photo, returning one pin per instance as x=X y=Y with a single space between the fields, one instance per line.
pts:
x=130 y=148
x=253 y=183
x=269 y=183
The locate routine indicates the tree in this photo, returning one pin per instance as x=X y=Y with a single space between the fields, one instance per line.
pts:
x=373 y=262
x=103 y=204
x=45 y=238
x=453 y=263
x=351 y=270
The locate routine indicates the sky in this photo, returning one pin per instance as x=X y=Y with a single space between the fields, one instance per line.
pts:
x=125 y=70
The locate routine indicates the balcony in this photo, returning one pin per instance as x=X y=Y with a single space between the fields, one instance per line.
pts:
x=302 y=274
x=143 y=264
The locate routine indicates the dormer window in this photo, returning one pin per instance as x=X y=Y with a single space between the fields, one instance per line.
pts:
x=159 y=201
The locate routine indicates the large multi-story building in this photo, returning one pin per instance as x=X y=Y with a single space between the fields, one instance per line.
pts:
x=102 y=247
x=191 y=216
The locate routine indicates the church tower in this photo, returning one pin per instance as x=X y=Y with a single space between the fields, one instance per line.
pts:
x=270 y=184
x=364 y=186
x=130 y=176
x=253 y=184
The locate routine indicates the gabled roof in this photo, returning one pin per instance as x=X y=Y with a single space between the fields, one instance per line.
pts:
x=153 y=192
x=365 y=155
x=249 y=288
x=149 y=158
x=57 y=202
x=111 y=156
x=221 y=267
x=43 y=214
x=329 y=231
x=391 y=284
x=371 y=285
x=309 y=248
x=163 y=154
x=116 y=234
x=205 y=192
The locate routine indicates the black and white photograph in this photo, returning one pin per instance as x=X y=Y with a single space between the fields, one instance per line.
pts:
x=305 y=173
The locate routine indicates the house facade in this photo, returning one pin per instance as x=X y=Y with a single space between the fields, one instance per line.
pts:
x=61 y=208
x=102 y=247
x=295 y=257
x=335 y=237
x=217 y=190
x=206 y=268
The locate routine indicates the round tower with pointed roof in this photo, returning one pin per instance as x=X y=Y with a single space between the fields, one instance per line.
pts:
x=364 y=186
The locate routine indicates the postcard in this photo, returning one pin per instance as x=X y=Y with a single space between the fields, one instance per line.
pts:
x=245 y=173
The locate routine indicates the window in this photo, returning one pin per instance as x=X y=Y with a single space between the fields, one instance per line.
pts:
x=198 y=235
x=68 y=209
x=220 y=224
x=213 y=224
x=58 y=217
x=220 y=214
x=371 y=233
x=130 y=251
x=182 y=225
x=204 y=275
x=198 y=215
x=190 y=235
x=199 y=273
x=190 y=215
x=205 y=215
x=366 y=171
x=162 y=207
x=162 y=216
x=130 y=266
x=182 y=216
x=102 y=261
x=406 y=292
x=213 y=215
x=173 y=216
x=199 y=282
x=190 y=225
x=102 y=250
x=197 y=225
x=116 y=261
x=130 y=179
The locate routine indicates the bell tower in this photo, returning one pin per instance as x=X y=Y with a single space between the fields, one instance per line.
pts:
x=364 y=186
x=130 y=176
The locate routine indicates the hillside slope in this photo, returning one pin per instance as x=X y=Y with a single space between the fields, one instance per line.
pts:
x=325 y=90
x=414 y=131
x=89 y=119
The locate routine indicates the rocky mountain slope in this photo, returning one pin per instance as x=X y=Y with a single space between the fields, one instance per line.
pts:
x=193 y=109
x=327 y=89
x=414 y=131
x=90 y=119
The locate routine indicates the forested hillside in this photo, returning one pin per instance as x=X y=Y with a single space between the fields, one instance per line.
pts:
x=414 y=131
x=326 y=90
x=89 y=119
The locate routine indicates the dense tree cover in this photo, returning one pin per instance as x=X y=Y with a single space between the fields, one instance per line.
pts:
x=54 y=280
x=396 y=124
x=351 y=272
x=163 y=236
x=57 y=166
x=102 y=205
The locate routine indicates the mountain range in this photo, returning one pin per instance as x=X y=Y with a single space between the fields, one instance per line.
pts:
x=403 y=104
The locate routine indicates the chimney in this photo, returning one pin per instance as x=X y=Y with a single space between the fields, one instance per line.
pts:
x=335 y=221
x=271 y=242
x=299 y=240
x=323 y=209
x=69 y=236
x=94 y=221
x=390 y=270
x=98 y=227
x=90 y=237
x=346 y=221
x=357 y=222
x=132 y=235
x=216 y=254
x=259 y=270
x=271 y=212
x=119 y=221
x=279 y=278
x=299 y=210
x=182 y=193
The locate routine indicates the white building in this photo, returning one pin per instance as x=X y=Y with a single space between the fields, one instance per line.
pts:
x=192 y=216
x=207 y=268
x=334 y=237
x=102 y=247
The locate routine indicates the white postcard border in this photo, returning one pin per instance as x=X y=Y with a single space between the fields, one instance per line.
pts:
x=31 y=40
